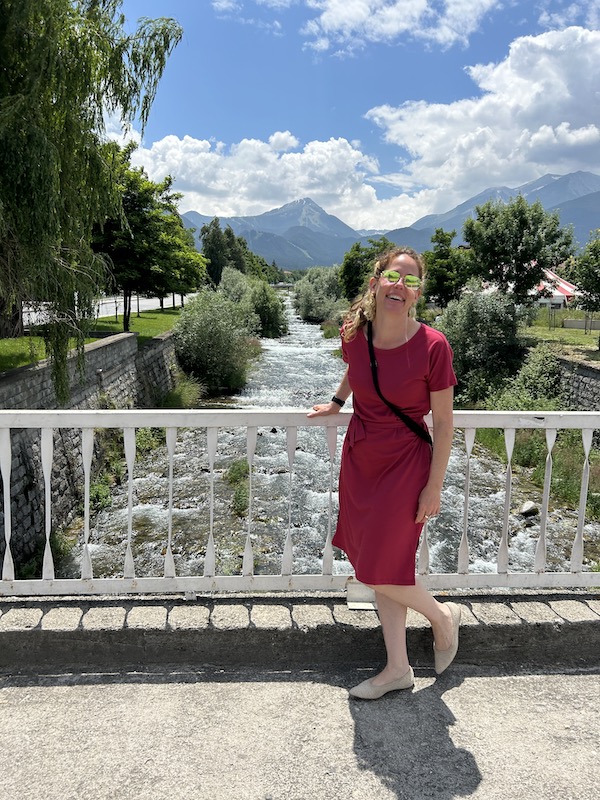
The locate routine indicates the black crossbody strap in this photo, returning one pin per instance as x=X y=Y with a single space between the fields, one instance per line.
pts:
x=408 y=421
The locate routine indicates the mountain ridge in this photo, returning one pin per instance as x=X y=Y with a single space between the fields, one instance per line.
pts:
x=301 y=234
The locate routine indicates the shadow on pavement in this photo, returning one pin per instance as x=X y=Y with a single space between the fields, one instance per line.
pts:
x=404 y=739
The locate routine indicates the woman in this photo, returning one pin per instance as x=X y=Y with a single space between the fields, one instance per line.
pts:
x=391 y=478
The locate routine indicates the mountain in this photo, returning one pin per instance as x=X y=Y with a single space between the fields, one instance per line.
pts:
x=583 y=214
x=455 y=218
x=554 y=192
x=296 y=236
x=301 y=234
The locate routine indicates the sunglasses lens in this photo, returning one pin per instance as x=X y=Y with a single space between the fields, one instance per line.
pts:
x=412 y=282
x=391 y=275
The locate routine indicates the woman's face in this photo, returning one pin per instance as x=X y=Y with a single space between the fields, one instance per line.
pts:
x=392 y=295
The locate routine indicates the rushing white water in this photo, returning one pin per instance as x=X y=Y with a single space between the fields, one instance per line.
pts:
x=296 y=371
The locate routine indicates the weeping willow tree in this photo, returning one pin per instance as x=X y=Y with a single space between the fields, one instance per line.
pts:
x=65 y=65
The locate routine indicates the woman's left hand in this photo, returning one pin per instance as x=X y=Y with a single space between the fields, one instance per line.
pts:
x=429 y=504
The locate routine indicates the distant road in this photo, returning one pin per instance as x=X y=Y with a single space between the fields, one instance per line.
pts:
x=113 y=306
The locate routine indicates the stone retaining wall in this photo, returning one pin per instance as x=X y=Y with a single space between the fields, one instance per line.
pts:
x=117 y=375
x=581 y=385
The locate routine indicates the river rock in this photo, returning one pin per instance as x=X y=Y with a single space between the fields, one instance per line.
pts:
x=529 y=509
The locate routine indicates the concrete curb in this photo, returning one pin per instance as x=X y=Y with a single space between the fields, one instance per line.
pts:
x=283 y=631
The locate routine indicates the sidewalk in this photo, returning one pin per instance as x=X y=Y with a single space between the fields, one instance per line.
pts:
x=245 y=698
x=282 y=630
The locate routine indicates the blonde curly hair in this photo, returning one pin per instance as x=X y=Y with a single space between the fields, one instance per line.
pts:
x=364 y=309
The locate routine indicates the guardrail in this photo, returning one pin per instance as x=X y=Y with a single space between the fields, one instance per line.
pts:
x=289 y=578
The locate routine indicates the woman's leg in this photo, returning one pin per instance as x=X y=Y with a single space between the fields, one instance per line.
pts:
x=392 y=616
x=419 y=599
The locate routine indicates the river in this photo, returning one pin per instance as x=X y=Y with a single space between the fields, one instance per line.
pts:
x=296 y=371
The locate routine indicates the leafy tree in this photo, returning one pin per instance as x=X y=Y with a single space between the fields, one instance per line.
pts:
x=236 y=251
x=358 y=264
x=448 y=269
x=482 y=329
x=318 y=295
x=214 y=248
x=587 y=274
x=63 y=65
x=224 y=248
x=512 y=243
x=234 y=284
x=260 y=306
x=269 y=309
x=211 y=342
x=150 y=251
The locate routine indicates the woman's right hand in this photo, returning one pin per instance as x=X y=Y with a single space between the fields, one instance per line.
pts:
x=324 y=409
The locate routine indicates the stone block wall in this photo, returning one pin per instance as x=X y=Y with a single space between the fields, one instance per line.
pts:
x=116 y=375
x=581 y=385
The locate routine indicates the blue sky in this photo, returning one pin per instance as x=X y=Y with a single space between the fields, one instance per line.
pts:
x=379 y=110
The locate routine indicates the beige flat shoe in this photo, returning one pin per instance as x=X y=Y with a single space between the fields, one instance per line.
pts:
x=368 y=691
x=443 y=658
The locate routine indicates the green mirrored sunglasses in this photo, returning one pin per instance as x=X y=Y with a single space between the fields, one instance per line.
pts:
x=410 y=281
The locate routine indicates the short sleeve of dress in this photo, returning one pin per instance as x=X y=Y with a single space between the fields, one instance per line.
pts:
x=344 y=346
x=441 y=373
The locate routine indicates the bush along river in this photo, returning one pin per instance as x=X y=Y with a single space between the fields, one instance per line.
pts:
x=296 y=371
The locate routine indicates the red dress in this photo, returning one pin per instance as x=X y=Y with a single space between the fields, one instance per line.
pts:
x=384 y=464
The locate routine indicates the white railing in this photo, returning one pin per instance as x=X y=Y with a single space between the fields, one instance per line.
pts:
x=212 y=422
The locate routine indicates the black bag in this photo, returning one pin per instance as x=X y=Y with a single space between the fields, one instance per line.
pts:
x=408 y=421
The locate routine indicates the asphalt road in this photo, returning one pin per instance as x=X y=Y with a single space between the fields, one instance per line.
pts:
x=257 y=734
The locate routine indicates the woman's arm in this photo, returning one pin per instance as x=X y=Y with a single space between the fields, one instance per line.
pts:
x=443 y=431
x=343 y=392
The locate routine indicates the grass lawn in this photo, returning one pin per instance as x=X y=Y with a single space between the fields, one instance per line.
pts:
x=577 y=343
x=29 y=349
x=148 y=325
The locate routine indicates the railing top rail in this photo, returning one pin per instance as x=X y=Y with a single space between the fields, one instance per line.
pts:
x=69 y=418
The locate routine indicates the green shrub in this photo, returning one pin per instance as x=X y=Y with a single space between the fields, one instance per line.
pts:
x=148 y=439
x=100 y=494
x=239 y=504
x=61 y=544
x=237 y=477
x=318 y=296
x=238 y=471
x=536 y=387
x=186 y=393
x=269 y=308
x=259 y=305
x=330 y=330
x=483 y=332
x=211 y=342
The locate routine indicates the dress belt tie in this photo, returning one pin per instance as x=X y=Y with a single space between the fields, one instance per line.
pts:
x=356 y=430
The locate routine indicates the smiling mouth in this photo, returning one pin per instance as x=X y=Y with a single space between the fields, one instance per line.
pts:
x=395 y=297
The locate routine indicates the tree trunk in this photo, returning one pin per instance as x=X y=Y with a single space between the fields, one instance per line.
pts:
x=11 y=320
x=126 y=309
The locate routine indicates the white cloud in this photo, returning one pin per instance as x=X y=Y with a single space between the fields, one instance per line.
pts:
x=226 y=6
x=344 y=26
x=252 y=176
x=537 y=112
x=532 y=113
x=560 y=14
x=283 y=141
x=348 y=25
x=277 y=4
